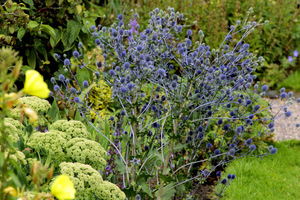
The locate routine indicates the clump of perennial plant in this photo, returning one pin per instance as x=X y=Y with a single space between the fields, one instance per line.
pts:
x=89 y=183
x=161 y=144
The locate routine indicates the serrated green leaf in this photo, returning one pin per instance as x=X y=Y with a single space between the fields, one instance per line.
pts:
x=168 y=192
x=21 y=33
x=82 y=75
x=120 y=166
x=56 y=39
x=54 y=111
x=146 y=188
x=32 y=24
x=70 y=35
x=48 y=29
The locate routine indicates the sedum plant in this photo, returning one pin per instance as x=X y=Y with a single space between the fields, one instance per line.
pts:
x=72 y=128
x=199 y=112
x=89 y=183
x=65 y=143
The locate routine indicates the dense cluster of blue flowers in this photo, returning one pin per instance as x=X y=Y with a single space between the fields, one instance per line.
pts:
x=200 y=101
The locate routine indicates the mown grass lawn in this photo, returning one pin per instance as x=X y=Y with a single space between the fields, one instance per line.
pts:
x=274 y=177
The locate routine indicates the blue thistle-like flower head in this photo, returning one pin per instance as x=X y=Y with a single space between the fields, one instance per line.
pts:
x=120 y=17
x=130 y=86
x=252 y=147
x=97 y=41
x=67 y=62
x=174 y=84
x=271 y=125
x=111 y=72
x=224 y=181
x=73 y=90
x=56 y=88
x=85 y=84
x=233 y=176
x=273 y=151
x=208 y=145
x=189 y=32
x=283 y=95
x=188 y=42
x=256 y=108
x=161 y=72
x=248 y=141
x=61 y=77
x=123 y=90
x=217 y=152
x=288 y=113
x=229 y=176
x=77 y=100
x=93 y=28
x=52 y=79
x=76 y=54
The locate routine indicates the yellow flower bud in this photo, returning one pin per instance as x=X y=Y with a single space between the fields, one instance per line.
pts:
x=11 y=191
x=63 y=188
x=35 y=85
x=31 y=114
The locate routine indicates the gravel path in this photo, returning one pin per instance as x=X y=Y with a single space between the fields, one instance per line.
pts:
x=285 y=128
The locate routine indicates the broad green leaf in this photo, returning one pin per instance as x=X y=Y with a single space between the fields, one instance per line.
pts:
x=49 y=3
x=48 y=29
x=29 y=2
x=86 y=91
x=70 y=35
x=11 y=30
x=21 y=33
x=32 y=24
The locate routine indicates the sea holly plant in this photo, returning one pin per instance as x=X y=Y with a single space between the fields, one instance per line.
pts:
x=199 y=114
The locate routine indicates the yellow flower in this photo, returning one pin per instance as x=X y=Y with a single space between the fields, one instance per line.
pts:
x=35 y=85
x=63 y=188
x=11 y=191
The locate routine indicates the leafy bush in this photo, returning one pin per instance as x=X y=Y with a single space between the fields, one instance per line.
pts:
x=38 y=28
x=156 y=141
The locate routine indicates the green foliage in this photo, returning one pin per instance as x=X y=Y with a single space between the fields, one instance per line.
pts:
x=292 y=82
x=39 y=28
x=89 y=183
x=283 y=74
x=99 y=98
